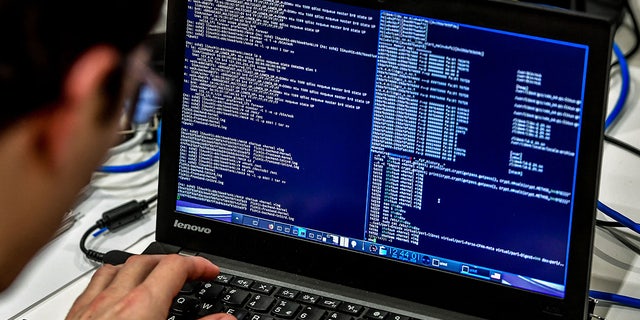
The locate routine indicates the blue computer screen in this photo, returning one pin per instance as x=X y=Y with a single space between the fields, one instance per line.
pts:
x=432 y=142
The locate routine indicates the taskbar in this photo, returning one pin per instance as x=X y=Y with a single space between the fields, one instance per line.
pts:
x=382 y=250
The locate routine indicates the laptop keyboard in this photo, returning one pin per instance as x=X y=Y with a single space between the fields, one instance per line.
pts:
x=248 y=299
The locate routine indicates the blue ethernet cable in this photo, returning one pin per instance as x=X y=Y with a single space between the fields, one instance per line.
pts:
x=625 y=221
x=132 y=167
x=615 y=299
x=136 y=166
x=624 y=90
x=620 y=103
x=619 y=217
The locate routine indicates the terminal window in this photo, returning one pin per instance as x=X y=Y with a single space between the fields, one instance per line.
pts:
x=432 y=136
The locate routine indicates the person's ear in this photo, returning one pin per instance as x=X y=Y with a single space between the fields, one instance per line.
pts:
x=81 y=100
x=89 y=73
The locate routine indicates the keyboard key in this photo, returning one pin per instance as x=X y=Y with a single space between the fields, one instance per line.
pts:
x=374 y=314
x=261 y=317
x=223 y=278
x=308 y=298
x=241 y=283
x=287 y=293
x=189 y=287
x=248 y=299
x=184 y=305
x=328 y=303
x=394 y=316
x=338 y=316
x=286 y=309
x=235 y=297
x=350 y=308
x=261 y=303
x=210 y=291
x=240 y=314
x=311 y=313
x=210 y=308
x=262 y=287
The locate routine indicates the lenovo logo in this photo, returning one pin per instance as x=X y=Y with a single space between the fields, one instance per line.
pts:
x=191 y=227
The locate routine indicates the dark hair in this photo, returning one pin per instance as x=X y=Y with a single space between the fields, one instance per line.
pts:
x=41 y=39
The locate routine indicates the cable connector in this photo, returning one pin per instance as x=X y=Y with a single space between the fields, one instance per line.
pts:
x=122 y=215
x=94 y=255
x=112 y=220
x=592 y=309
x=116 y=257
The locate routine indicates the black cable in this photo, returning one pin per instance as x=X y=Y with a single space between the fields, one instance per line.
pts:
x=623 y=239
x=114 y=219
x=636 y=33
x=609 y=224
x=622 y=144
x=151 y=200
x=91 y=254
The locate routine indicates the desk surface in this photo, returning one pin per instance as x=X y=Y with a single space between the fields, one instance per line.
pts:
x=616 y=268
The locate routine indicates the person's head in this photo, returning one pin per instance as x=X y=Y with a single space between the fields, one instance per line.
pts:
x=62 y=69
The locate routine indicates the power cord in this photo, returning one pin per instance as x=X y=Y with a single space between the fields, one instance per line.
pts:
x=112 y=220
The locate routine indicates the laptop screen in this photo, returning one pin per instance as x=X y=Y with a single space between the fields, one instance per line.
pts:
x=435 y=143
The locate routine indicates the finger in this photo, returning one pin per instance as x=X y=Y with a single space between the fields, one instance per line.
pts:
x=125 y=278
x=173 y=271
x=129 y=275
x=134 y=271
x=219 y=316
x=101 y=279
x=161 y=276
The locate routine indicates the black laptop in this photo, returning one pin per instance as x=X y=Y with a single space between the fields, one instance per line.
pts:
x=383 y=160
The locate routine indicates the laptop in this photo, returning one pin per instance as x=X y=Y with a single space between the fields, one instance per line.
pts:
x=410 y=159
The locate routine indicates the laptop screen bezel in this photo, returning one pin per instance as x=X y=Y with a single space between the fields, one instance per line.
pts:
x=462 y=294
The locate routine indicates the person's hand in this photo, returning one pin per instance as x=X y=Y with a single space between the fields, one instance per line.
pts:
x=142 y=288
